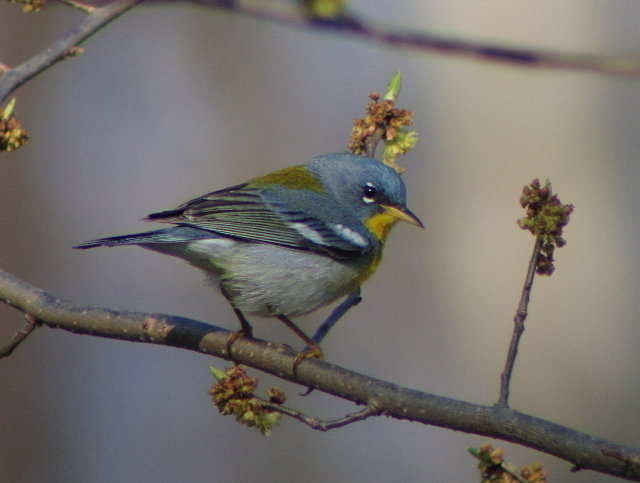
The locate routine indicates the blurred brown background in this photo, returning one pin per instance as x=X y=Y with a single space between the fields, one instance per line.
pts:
x=170 y=102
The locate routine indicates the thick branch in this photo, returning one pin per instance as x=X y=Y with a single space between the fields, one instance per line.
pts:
x=582 y=450
x=11 y=79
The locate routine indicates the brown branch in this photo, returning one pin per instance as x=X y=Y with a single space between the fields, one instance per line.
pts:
x=13 y=78
x=319 y=425
x=16 y=339
x=518 y=324
x=287 y=14
x=582 y=450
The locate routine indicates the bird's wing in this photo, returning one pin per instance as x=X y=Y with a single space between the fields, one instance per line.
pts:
x=251 y=214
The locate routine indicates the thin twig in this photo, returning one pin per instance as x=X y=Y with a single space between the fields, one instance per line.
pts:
x=31 y=324
x=372 y=143
x=518 y=326
x=11 y=79
x=83 y=7
x=319 y=425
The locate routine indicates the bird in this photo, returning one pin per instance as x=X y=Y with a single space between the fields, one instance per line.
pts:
x=286 y=243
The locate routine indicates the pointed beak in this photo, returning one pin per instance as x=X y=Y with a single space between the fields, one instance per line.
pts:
x=403 y=214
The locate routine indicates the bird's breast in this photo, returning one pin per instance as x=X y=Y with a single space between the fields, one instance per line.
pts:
x=262 y=279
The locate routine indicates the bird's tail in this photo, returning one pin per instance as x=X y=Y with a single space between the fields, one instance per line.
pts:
x=178 y=234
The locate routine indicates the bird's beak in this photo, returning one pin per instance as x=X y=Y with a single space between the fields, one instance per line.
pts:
x=403 y=214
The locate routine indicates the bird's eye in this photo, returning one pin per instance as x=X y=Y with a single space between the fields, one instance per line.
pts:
x=369 y=193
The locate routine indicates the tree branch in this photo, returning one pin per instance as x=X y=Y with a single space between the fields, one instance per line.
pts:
x=518 y=324
x=317 y=424
x=16 y=339
x=582 y=450
x=287 y=14
x=13 y=78
x=350 y=24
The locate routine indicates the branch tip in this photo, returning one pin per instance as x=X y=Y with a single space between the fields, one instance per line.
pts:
x=31 y=324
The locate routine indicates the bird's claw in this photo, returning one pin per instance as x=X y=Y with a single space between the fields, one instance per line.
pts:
x=313 y=352
x=234 y=336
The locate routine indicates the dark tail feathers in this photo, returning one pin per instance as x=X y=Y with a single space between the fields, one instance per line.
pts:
x=178 y=234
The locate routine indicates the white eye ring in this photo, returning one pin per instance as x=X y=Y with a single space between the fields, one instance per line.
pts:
x=369 y=193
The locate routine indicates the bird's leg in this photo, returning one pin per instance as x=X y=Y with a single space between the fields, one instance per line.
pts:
x=352 y=300
x=312 y=350
x=245 y=330
x=245 y=327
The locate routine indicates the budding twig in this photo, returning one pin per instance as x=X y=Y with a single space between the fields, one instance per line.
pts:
x=546 y=218
x=319 y=425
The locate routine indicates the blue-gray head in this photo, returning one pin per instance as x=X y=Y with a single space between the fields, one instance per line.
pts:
x=374 y=191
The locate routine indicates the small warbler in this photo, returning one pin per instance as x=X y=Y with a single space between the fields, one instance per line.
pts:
x=288 y=242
